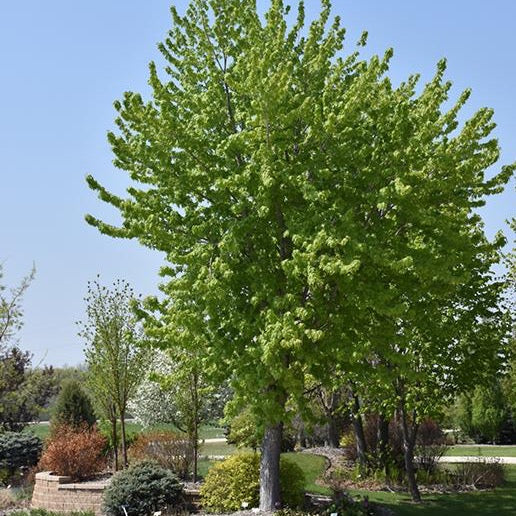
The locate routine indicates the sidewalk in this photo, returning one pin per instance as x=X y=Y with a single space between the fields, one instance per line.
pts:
x=477 y=458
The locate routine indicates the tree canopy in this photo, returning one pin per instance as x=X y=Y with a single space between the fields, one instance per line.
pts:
x=312 y=212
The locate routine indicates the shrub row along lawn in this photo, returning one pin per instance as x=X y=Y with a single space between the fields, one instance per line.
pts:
x=500 y=501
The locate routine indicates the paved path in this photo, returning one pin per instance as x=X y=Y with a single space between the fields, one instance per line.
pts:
x=473 y=458
x=214 y=440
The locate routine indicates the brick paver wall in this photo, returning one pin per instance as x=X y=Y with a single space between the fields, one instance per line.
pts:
x=57 y=493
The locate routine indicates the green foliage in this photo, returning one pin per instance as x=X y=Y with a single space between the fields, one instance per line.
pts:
x=231 y=483
x=115 y=356
x=19 y=450
x=317 y=219
x=488 y=411
x=462 y=414
x=235 y=481
x=243 y=431
x=73 y=407
x=11 y=312
x=255 y=130
x=24 y=392
x=142 y=489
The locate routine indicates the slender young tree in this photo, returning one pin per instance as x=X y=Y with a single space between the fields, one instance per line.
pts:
x=11 y=312
x=115 y=357
x=297 y=195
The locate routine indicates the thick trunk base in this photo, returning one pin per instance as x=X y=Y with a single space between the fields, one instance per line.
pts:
x=270 y=496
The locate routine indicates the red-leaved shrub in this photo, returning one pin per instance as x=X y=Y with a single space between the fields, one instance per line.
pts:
x=74 y=452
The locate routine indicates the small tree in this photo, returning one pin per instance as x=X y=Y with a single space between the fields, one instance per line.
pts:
x=11 y=313
x=73 y=407
x=488 y=412
x=115 y=357
x=24 y=392
x=177 y=391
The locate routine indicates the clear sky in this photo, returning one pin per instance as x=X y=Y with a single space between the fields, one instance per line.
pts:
x=63 y=63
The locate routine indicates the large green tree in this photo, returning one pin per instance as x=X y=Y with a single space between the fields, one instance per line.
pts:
x=304 y=203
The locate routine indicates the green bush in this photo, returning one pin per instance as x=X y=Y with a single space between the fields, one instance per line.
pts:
x=235 y=480
x=19 y=450
x=73 y=407
x=142 y=489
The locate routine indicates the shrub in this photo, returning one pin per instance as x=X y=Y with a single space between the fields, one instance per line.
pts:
x=235 y=480
x=74 y=452
x=168 y=449
x=142 y=489
x=345 y=504
x=431 y=445
x=73 y=407
x=482 y=473
x=19 y=450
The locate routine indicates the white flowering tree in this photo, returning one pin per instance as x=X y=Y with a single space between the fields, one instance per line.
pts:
x=176 y=391
x=153 y=403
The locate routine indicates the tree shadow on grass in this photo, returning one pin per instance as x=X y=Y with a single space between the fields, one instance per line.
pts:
x=499 y=502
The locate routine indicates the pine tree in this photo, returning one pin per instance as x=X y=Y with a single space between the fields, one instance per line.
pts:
x=73 y=407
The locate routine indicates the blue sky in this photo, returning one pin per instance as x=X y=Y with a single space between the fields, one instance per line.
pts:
x=63 y=63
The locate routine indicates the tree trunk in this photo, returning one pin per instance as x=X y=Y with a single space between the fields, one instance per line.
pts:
x=358 y=426
x=270 y=499
x=409 y=441
x=114 y=440
x=123 y=438
x=333 y=432
x=383 y=443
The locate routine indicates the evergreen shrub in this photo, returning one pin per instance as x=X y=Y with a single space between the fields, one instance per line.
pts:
x=19 y=450
x=142 y=489
x=73 y=407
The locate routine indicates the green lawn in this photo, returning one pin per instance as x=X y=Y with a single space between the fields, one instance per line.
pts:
x=482 y=451
x=313 y=467
x=217 y=449
x=497 y=502
x=206 y=432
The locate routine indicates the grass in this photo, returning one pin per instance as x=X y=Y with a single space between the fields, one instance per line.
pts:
x=313 y=467
x=482 y=451
x=218 y=449
x=497 y=502
x=42 y=430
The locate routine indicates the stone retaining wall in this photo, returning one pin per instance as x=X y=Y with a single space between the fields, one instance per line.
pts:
x=58 y=493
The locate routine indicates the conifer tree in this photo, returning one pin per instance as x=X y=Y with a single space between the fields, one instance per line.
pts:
x=73 y=407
